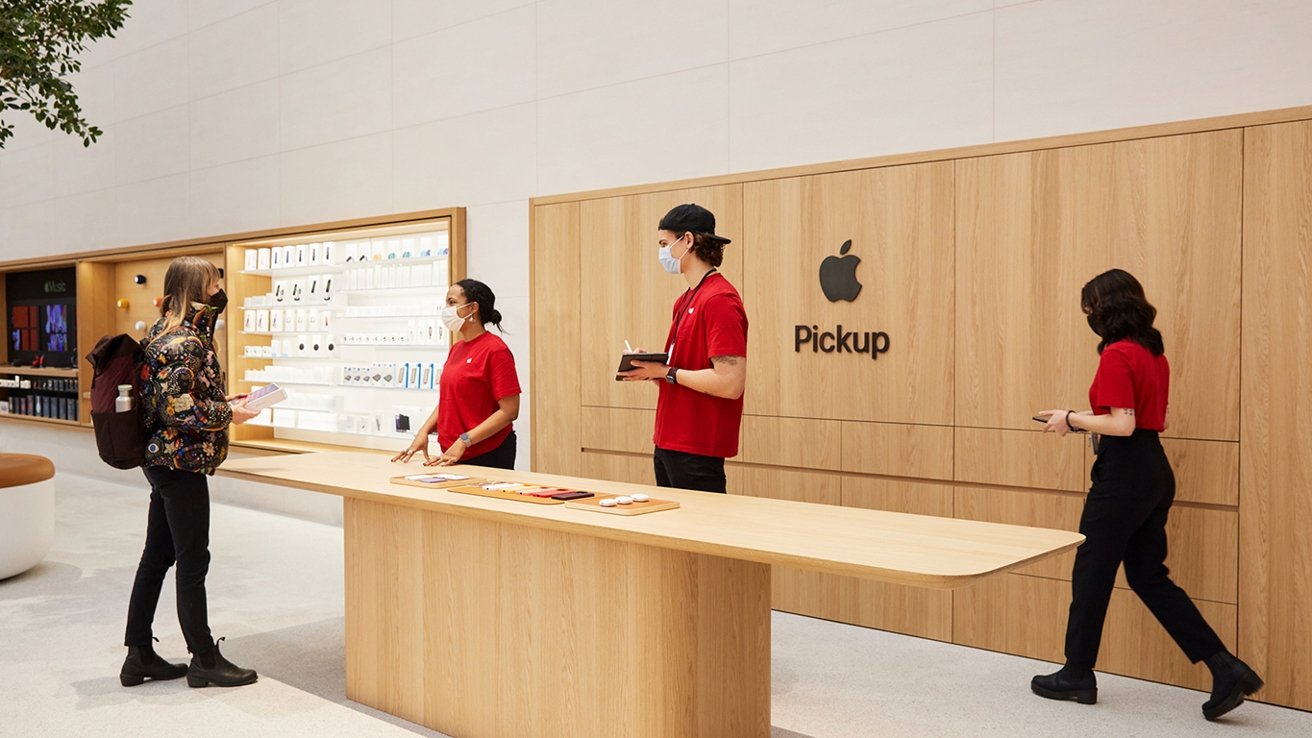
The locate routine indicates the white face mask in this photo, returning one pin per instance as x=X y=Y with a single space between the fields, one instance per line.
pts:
x=668 y=261
x=451 y=317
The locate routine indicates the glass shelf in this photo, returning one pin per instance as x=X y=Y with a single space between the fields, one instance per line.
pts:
x=302 y=271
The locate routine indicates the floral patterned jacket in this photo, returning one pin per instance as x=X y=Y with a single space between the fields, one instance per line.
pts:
x=182 y=395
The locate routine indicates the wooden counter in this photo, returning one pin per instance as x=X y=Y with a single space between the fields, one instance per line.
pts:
x=485 y=617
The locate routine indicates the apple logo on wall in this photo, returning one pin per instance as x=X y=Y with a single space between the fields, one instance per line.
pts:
x=838 y=275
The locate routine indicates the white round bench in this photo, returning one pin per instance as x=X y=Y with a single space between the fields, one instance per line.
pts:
x=27 y=511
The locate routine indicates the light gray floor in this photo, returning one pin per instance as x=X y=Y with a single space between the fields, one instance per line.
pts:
x=275 y=591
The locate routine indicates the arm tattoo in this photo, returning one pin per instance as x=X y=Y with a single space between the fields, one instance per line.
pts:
x=726 y=360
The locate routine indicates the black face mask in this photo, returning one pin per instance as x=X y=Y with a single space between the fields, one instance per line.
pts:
x=218 y=301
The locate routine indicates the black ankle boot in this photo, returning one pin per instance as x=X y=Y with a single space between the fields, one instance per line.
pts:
x=1069 y=683
x=209 y=668
x=143 y=663
x=1232 y=680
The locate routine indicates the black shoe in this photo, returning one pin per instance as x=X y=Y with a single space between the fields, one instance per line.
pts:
x=1067 y=684
x=143 y=663
x=1232 y=680
x=209 y=668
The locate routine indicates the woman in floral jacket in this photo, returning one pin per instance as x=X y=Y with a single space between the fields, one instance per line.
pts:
x=187 y=416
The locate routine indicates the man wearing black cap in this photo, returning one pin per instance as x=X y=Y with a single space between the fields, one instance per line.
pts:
x=700 y=408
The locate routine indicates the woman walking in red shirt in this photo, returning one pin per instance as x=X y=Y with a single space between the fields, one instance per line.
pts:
x=1124 y=519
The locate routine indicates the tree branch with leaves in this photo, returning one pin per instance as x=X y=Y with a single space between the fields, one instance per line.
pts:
x=40 y=41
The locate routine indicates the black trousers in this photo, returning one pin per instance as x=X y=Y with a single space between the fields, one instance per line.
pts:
x=1124 y=522
x=177 y=531
x=688 y=471
x=501 y=457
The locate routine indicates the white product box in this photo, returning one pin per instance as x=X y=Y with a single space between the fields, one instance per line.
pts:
x=288 y=256
x=276 y=324
x=302 y=345
x=302 y=255
x=326 y=289
x=248 y=321
x=412 y=375
x=314 y=320
x=426 y=375
x=328 y=253
x=409 y=247
x=378 y=249
x=278 y=257
x=251 y=259
x=318 y=346
x=262 y=321
x=302 y=321
x=393 y=248
x=316 y=254
x=263 y=258
x=298 y=290
x=443 y=243
x=275 y=347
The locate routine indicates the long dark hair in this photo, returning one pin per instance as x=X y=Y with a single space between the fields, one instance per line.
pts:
x=477 y=292
x=1118 y=310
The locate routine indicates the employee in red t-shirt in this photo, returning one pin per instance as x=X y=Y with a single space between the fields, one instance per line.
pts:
x=1124 y=519
x=479 y=398
x=700 y=407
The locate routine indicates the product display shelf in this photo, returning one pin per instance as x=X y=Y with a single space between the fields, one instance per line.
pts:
x=340 y=267
x=34 y=371
x=367 y=310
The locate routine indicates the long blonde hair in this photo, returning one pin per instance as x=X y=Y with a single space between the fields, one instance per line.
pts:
x=187 y=280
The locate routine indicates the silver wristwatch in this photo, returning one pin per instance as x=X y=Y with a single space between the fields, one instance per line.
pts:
x=464 y=437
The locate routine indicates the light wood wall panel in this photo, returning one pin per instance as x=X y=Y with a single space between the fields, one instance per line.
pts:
x=618 y=429
x=1032 y=228
x=625 y=293
x=1205 y=471
x=796 y=442
x=899 y=220
x=1022 y=459
x=557 y=326
x=1203 y=551
x=95 y=319
x=617 y=467
x=235 y=363
x=973 y=263
x=896 y=449
x=1027 y=616
x=1276 y=466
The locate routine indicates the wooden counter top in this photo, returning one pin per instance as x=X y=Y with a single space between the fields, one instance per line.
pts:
x=893 y=547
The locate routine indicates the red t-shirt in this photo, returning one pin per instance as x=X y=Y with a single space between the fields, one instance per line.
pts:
x=1130 y=376
x=476 y=375
x=713 y=323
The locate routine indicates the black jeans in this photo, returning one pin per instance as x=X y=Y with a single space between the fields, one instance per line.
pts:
x=688 y=471
x=501 y=457
x=1124 y=521
x=177 y=530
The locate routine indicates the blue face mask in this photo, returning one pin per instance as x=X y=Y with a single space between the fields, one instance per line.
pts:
x=669 y=262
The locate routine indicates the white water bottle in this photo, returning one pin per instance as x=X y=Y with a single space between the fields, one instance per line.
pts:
x=123 y=402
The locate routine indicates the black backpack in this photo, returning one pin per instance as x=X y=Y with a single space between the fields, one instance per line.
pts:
x=120 y=436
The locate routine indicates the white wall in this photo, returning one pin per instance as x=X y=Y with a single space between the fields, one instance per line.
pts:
x=231 y=115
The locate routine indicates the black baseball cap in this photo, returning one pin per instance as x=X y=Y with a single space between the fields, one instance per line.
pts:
x=691 y=217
